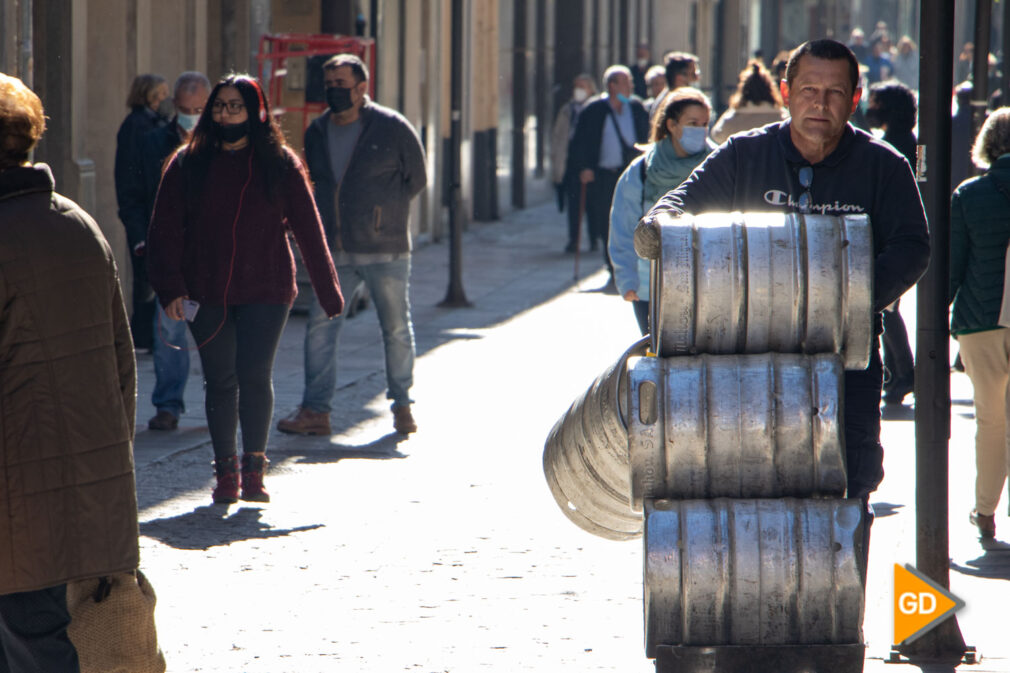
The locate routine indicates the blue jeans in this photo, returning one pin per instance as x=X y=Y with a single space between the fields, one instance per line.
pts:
x=388 y=284
x=171 y=365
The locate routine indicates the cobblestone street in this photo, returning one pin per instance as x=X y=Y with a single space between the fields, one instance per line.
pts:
x=445 y=551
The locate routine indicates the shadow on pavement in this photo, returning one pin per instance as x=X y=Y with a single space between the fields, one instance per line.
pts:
x=384 y=448
x=882 y=509
x=214 y=526
x=993 y=564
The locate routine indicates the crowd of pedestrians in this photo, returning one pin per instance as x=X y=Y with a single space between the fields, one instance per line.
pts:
x=211 y=198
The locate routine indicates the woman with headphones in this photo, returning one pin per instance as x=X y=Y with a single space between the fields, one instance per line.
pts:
x=219 y=257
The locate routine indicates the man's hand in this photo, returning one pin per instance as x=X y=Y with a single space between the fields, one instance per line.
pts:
x=630 y=295
x=174 y=309
x=586 y=176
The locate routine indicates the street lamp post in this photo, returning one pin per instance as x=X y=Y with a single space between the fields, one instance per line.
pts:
x=455 y=297
x=932 y=363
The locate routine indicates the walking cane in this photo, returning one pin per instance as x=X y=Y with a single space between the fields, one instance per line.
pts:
x=578 y=230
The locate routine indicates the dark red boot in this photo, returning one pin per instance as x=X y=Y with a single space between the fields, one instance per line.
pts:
x=253 y=467
x=226 y=470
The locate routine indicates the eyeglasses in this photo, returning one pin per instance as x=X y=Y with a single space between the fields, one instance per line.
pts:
x=234 y=106
x=806 y=178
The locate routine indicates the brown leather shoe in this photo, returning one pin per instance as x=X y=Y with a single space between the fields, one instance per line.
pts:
x=403 y=421
x=163 y=420
x=986 y=524
x=304 y=421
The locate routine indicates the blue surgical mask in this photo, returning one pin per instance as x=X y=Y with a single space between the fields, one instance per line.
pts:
x=692 y=139
x=624 y=99
x=187 y=122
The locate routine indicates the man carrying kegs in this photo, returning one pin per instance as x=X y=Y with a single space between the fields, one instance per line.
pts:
x=816 y=163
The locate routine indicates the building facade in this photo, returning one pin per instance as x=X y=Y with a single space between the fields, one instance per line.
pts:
x=519 y=60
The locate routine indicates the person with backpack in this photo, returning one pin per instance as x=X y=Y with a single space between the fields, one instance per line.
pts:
x=679 y=142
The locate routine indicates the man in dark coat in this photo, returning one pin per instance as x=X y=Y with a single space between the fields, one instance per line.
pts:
x=68 y=507
x=606 y=133
x=169 y=347
x=147 y=94
x=366 y=164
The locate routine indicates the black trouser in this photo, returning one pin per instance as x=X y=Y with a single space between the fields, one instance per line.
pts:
x=864 y=456
x=599 y=195
x=238 y=365
x=142 y=320
x=33 y=632
x=641 y=315
x=898 y=360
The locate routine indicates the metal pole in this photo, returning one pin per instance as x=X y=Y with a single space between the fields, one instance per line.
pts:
x=1005 y=77
x=980 y=64
x=519 y=86
x=932 y=362
x=455 y=297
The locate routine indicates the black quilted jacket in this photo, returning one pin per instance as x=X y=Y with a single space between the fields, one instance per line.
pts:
x=979 y=232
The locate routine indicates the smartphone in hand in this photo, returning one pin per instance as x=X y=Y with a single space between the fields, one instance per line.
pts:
x=189 y=309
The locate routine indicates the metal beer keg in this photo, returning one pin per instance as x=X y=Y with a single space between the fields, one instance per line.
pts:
x=760 y=282
x=738 y=426
x=752 y=572
x=586 y=456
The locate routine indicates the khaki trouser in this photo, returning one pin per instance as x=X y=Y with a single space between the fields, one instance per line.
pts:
x=986 y=357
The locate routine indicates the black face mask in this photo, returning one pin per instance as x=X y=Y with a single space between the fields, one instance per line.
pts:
x=230 y=133
x=339 y=98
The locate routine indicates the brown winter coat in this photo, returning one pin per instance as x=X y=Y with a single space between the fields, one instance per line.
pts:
x=68 y=505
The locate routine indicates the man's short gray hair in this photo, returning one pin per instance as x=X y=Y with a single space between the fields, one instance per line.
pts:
x=613 y=72
x=189 y=82
x=993 y=140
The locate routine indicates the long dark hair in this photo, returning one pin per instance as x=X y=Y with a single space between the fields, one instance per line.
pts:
x=755 y=86
x=265 y=137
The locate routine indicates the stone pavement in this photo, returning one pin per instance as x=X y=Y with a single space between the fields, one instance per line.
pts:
x=445 y=551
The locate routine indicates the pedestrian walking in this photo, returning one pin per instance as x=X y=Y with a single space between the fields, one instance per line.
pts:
x=682 y=69
x=366 y=163
x=607 y=132
x=892 y=108
x=755 y=102
x=815 y=162
x=638 y=69
x=962 y=136
x=679 y=69
x=979 y=234
x=678 y=143
x=905 y=63
x=68 y=508
x=857 y=43
x=147 y=93
x=566 y=182
x=655 y=81
x=879 y=61
x=218 y=237
x=171 y=356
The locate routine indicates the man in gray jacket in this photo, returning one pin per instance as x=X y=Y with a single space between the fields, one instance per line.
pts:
x=367 y=163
